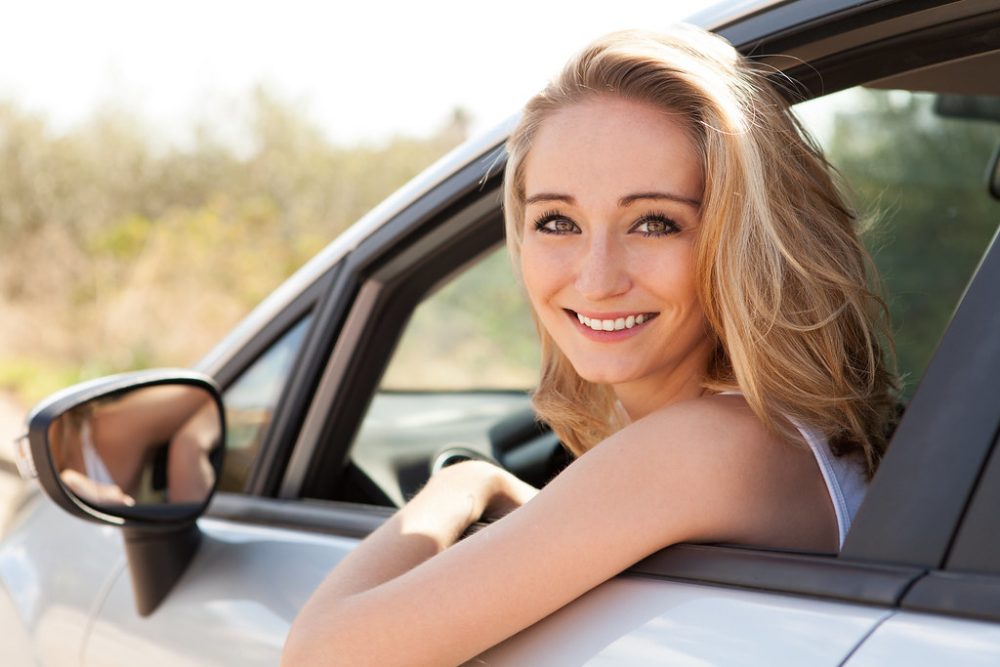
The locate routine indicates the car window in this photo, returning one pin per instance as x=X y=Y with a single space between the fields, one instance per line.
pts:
x=250 y=402
x=473 y=333
x=913 y=166
x=465 y=361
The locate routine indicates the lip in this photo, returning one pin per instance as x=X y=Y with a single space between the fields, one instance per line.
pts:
x=608 y=336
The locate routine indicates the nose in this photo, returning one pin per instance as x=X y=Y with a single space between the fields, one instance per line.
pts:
x=602 y=271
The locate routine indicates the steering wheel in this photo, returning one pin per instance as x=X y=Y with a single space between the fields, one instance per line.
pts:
x=456 y=453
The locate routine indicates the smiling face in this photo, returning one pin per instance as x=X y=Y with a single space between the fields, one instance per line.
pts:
x=612 y=190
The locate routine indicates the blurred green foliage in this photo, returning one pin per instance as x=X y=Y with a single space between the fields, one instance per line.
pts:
x=475 y=332
x=920 y=177
x=117 y=253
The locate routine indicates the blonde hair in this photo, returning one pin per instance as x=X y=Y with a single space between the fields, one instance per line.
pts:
x=782 y=277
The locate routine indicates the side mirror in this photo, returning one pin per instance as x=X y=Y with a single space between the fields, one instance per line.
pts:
x=142 y=451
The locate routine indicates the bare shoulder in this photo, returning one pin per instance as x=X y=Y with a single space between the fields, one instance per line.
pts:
x=727 y=418
x=755 y=487
x=720 y=427
x=702 y=471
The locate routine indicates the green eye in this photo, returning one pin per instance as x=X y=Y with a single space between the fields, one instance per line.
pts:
x=555 y=223
x=655 y=224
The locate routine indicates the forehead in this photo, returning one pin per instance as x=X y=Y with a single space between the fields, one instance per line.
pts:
x=617 y=144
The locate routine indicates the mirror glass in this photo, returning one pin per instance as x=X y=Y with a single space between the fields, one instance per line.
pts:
x=139 y=451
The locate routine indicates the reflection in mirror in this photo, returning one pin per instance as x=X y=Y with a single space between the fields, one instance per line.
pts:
x=150 y=445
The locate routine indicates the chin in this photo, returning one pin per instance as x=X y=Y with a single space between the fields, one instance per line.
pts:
x=601 y=375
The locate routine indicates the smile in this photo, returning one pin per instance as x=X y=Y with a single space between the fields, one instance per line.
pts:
x=614 y=324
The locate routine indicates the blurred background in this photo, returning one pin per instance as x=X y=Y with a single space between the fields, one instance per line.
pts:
x=163 y=168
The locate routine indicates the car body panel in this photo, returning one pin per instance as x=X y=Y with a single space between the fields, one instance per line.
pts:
x=631 y=621
x=213 y=615
x=908 y=638
x=627 y=621
x=55 y=569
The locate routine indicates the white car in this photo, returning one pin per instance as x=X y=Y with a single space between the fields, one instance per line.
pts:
x=334 y=414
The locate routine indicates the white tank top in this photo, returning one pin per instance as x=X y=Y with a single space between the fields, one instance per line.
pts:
x=92 y=462
x=845 y=478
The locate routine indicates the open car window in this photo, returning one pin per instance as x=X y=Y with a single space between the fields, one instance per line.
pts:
x=474 y=333
x=912 y=164
x=465 y=362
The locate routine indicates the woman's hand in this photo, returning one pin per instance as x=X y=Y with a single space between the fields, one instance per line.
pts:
x=460 y=495
x=451 y=501
x=93 y=491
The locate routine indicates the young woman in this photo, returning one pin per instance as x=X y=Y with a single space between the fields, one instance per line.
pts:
x=710 y=353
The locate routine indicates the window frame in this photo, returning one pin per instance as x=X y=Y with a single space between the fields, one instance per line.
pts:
x=394 y=268
x=967 y=582
x=303 y=305
x=288 y=320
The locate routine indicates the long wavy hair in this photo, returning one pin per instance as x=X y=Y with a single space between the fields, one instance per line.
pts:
x=788 y=290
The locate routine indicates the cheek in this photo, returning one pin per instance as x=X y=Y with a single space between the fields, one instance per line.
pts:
x=542 y=270
x=670 y=273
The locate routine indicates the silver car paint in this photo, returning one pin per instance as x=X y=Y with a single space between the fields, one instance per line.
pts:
x=235 y=603
x=908 y=638
x=630 y=621
x=55 y=570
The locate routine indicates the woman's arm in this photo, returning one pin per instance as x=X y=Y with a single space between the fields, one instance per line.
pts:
x=700 y=471
x=125 y=430
x=190 y=474
x=433 y=520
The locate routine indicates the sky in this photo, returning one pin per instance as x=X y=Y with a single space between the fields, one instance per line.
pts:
x=362 y=71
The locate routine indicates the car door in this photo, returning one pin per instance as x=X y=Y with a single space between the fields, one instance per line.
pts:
x=306 y=501
x=952 y=614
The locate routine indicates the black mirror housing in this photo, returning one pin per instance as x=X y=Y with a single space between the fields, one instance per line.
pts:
x=142 y=451
x=141 y=415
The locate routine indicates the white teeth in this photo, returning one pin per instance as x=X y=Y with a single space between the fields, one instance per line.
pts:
x=611 y=325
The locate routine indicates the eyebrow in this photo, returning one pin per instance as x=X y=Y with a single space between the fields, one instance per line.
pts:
x=549 y=196
x=628 y=200
x=625 y=201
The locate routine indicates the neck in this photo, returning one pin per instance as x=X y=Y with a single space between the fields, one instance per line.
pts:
x=681 y=382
